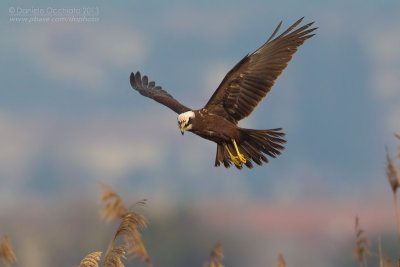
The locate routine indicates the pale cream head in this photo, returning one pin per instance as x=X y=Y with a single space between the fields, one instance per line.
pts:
x=184 y=121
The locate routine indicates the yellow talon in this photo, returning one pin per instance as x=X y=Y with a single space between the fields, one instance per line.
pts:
x=239 y=159
x=234 y=158
x=240 y=155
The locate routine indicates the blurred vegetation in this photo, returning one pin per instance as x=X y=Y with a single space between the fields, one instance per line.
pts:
x=172 y=249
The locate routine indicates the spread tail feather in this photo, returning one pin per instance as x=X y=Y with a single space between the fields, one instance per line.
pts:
x=254 y=145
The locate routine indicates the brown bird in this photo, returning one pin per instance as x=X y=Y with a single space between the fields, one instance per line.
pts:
x=245 y=85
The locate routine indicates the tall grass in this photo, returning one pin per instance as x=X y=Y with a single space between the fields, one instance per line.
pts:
x=90 y=260
x=215 y=256
x=281 y=261
x=7 y=255
x=131 y=246
x=131 y=223
x=127 y=242
x=361 y=250
x=392 y=173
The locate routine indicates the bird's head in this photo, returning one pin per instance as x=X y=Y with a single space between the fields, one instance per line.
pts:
x=185 y=121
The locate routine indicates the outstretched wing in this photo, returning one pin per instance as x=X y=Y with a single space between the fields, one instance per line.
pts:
x=149 y=89
x=252 y=78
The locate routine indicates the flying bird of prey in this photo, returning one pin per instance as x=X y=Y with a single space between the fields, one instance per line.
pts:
x=245 y=85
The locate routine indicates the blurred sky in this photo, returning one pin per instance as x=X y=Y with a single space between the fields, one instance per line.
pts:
x=69 y=118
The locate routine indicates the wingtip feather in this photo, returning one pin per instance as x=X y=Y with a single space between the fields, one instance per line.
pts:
x=138 y=79
x=132 y=80
x=145 y=80
x=274 y=33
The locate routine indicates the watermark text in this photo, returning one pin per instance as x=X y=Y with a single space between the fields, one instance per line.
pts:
x=53 y=14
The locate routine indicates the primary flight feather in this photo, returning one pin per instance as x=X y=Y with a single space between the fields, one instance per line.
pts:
x=239 y=93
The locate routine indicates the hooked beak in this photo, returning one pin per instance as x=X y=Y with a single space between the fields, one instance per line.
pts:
x=182 y=130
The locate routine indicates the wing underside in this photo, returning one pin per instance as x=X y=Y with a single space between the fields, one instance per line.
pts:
x=150 y=90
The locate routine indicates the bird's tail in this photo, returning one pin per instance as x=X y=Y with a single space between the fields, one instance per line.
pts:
x=254 y=145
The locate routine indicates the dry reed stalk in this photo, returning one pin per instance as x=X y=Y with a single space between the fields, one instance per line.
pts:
x=391 y=173
x=135 y=247
x=7 y=255
x=131 y=222
x=113 y=207
x=380 y=254
x=398 y=153
x=90 y=260
x=394 y=180
x=215 y=256
x=361 y=250
x=113 y=257
x=129 y=228
x=281 y=261
x=386 y=262
x=383 y=260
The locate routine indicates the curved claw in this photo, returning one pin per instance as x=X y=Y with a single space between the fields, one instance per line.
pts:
x=239 y=159
x=239 y=155
x=235 y=159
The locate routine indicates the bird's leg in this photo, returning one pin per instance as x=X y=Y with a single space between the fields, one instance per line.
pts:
x=234 y=158
x=239 y=155
x=239 y=159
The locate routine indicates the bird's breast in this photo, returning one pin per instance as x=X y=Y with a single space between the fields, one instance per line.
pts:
x=215 y=128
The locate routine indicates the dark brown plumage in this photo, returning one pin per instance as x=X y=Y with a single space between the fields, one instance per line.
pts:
x=237 y=96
